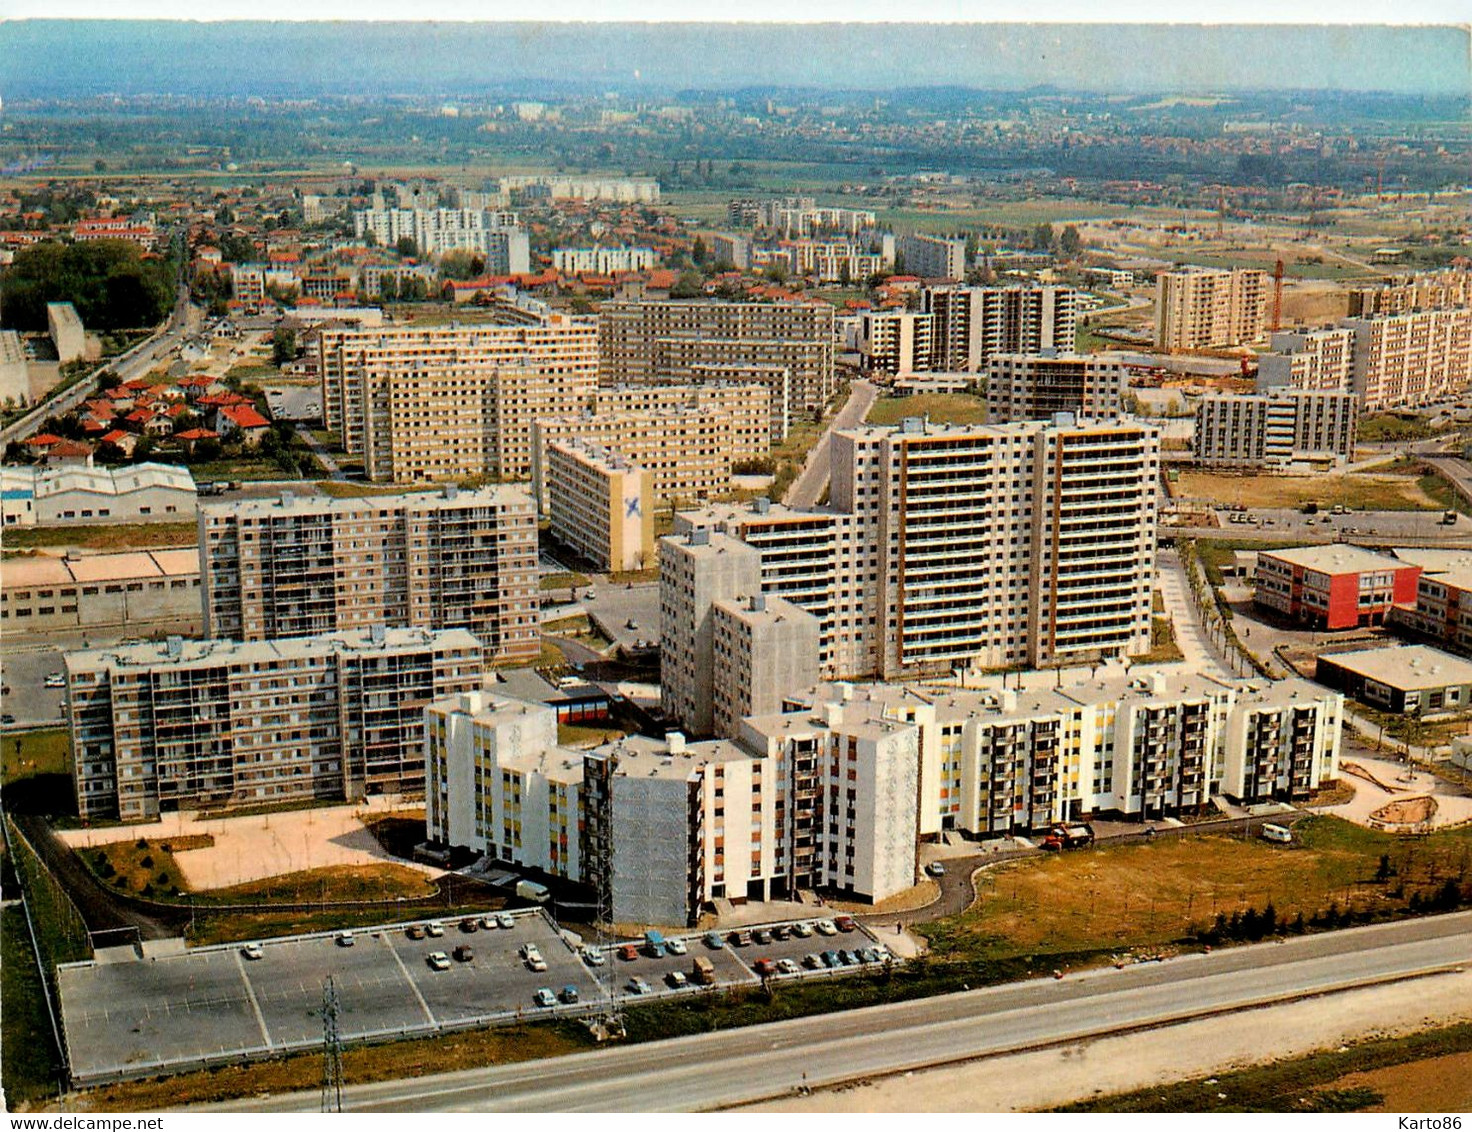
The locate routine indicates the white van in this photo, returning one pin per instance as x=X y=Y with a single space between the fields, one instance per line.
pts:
x=1279 y=833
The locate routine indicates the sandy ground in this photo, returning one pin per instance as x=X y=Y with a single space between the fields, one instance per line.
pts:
x=253 y=848
x=1451 y=809
x=1438 y=1084
x=1047 y=1078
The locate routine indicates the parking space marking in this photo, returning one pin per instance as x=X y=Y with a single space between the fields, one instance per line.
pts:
x=413 y=986
x=254 y=1005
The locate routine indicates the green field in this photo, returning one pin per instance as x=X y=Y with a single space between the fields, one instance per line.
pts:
x=123 y=536
x=942 y=408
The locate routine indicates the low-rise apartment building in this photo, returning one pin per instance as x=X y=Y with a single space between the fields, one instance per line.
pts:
x=1333 y=587
x=1284 y=429
x=299 y=565
x=186 y=724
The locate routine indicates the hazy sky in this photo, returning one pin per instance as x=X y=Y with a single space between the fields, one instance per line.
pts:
x=56 y=57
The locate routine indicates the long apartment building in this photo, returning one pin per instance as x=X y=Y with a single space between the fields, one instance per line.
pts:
x=949 y=547
x=1442 y=606
x=970 y=324
x=601 y=505
x=662 y=342
x=442 y=402
x=1411 y=359
x=185 y=724
x=1280 y=429
x=754 y=421
x=833 y=790
x=1198 y=308
x=1022 y=387
x=1401 y=294
x=497 y=236
x=300 y=565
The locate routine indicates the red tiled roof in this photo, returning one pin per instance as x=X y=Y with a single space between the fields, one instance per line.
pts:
x=244 y=416
x=44 y=440
x=70 y=448
x=197 y=434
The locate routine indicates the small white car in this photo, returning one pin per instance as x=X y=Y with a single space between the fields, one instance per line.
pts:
x=253 y=951
x=593 y=957
x=435 y=929
x=345 y=939
x=544 y=997
x=505 y=920
x=636 y=985
x=439 y=961
x=675 y=946
x=826 y=927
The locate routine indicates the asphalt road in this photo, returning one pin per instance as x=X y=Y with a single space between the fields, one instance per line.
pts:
x=807 y=489
x=765 y=1061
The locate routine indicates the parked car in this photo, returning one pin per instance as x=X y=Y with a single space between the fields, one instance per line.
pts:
x=714 y=941
x=488 y=922
x=936 y=868
x=826 y=927
x=544 y=997
x=434 y=929
x=787 y=966
x=415 y=931
x=762 y=936
x=781 y=931
x=802 y=929
x=252 y=951
x=55 y=680
x=469 y=924
x=593 y=957
x=636 y=985
x=568 y=994
x=677 y=979
x=628 y=951
x=844 y=923
x=812 y=962
x=505 y=921
x=830 y=959
x=464 y=953
x=344 y=939
x=438 y=961
x=676 y=946
x=765 y=967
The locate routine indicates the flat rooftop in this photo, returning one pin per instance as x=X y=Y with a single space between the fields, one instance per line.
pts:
x=209 y=654
x=29 y=571
x=290 y=503
x=1338 y=558
x=1407 y=667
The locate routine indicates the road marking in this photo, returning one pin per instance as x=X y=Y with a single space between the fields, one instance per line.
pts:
x=428 y=1014
x=254 y=1005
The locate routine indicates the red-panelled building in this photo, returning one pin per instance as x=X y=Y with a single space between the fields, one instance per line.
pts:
x=1334 y=587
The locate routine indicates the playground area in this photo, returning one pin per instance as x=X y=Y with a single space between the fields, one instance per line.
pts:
x=1395 y=797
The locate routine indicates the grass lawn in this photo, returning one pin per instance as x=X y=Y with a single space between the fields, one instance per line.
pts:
x=1216 y=553
x=239 y=470
x=1163 y=647
x=30 y=1065
x=1359 y=492
x=943 y=408
x=26 y=754
x=338 y=882
x=360 y=1064
x=123 y=536
x=342 y=489
x=144 y=866
x=1158 y=893
x=566 y=579
x=1395 y=426
x=1315 y=1083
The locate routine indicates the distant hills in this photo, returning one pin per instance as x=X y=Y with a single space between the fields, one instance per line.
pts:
x=57 y=58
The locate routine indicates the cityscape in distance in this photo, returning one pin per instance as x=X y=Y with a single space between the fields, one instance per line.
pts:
x=543 y=563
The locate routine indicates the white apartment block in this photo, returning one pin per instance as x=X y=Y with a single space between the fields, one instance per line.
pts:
x=895 y=341
x=695 y=572
x=801 y=216
x=651 y=342
x=748 y=405
x=1308 y=359
x=442 y=402
x=1411 y=359
x=625 y=190
x=827 y=261
x=1022 y=387
x=602 y=261
x=67 y=333
x=729 y=249
x=157 y=728
x=601 y=505
x=1198 y=308
x=296 y=566
x=497 y=782
x=955 y=547
x=1282 y=429
x=970 y=324
x=933 y=257
x=834 y=790
x=495 y=235
x=762 y=647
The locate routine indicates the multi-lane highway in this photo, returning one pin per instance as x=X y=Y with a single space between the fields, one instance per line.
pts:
x=737 y=1066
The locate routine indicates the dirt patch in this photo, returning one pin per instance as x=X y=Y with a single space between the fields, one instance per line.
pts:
x=1407 y=811
x=1438 y=1084
x=1357 y=491
x=1333 y=793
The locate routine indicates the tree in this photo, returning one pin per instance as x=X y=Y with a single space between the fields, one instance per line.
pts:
x=1042 y=237
x=777 y=271
x=406 y=247
x=1070 y=242
x=108 y=281
x=687 y=286
x=699 y=253
x=283 y=346
x=461 y=264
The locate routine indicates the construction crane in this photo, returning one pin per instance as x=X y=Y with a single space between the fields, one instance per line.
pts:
x=1277 y=296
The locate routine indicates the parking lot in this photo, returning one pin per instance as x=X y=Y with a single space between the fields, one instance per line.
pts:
x=26 y=695
x=225 y=1004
